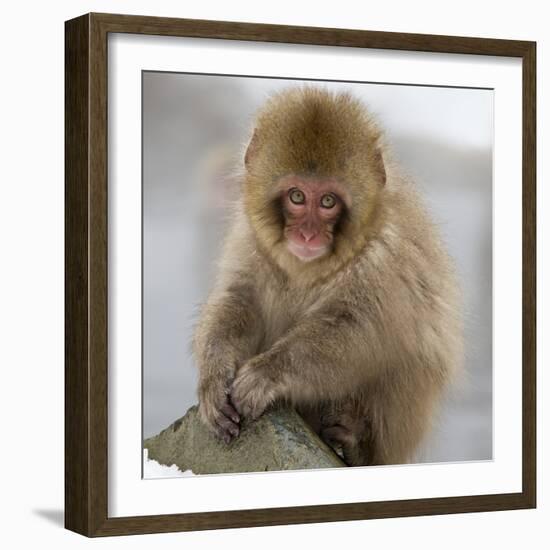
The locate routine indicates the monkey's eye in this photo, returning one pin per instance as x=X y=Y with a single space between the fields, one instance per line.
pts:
x=328 y=201
x=296 y=196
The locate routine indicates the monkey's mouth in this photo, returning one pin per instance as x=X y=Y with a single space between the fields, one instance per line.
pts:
x=306 y=253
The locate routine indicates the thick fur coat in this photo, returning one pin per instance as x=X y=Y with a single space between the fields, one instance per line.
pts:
x=362 y=341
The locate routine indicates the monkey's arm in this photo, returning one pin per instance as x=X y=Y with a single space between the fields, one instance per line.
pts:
x=325 y=356
x=227 y=334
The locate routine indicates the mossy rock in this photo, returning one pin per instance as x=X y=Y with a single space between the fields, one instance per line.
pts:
x=279 y=440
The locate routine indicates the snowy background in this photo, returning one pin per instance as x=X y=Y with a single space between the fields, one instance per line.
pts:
x=194 y=131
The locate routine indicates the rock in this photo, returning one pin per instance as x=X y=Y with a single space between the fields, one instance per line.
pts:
x=279 y=440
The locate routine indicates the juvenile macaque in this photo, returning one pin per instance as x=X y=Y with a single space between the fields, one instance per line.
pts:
x=335 y=294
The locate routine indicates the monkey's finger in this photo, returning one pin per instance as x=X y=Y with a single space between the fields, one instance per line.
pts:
x=230 y=412
x=223 y=435
x=246 y=408
x=229 y=426
x=242 y=407
x=249 y=399
x=251 y=408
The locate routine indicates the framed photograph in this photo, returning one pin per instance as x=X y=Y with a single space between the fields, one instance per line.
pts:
x=300 y=274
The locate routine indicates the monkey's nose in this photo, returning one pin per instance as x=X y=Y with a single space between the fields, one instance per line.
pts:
x=307 y=234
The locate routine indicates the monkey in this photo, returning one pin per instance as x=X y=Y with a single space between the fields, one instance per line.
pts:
x=335 y=293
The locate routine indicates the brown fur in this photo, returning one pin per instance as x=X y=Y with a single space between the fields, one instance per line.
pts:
x=362 y=340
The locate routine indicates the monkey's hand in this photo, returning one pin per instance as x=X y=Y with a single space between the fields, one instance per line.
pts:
x=216 y=409
x=254 y=387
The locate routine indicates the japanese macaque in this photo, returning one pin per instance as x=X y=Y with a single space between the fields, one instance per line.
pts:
x=335 y=294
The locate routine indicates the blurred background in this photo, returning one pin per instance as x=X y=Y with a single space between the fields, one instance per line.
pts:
x=195 y=129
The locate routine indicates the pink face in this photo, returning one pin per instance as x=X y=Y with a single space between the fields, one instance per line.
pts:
x=312 y=208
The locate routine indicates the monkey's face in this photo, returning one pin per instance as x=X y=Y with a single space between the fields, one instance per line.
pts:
x=312 y=154
x=311 y=210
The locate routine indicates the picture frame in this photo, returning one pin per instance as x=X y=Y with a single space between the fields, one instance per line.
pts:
x=87 y=435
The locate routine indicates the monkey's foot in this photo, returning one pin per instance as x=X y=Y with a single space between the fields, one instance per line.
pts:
x=337 y=436
x=344 y=443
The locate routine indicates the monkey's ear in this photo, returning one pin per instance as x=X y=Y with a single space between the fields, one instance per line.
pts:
x=252 y=149
x=379 y=168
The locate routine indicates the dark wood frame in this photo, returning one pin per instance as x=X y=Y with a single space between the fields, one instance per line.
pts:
x=86 y=273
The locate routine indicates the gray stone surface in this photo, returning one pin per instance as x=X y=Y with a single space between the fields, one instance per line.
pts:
x=279 y=440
